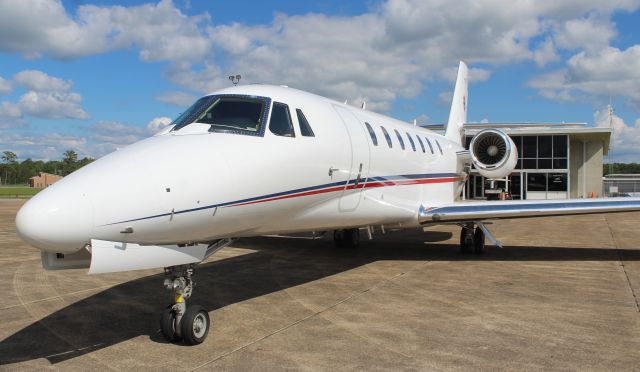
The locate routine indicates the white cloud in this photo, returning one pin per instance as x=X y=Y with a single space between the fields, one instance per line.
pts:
x=160 y=31
x=53 y=105
x=389 y=52
x=158 y=123
x=422 y=119
x=626 y=138
x=116 y=133
x=545 y=53
x=42 y=146
x=445 y=98
x=604 y=73
x=180 y=99
x=46 y=97
x=10 y=116
x=9 y=110
x=5 y=86
x=41 y=82
x=475 y=74
x=590 y=33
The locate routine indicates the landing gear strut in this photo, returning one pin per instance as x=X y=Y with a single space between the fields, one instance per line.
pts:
x=347 y=238
x=179 y=322
x=471 y=239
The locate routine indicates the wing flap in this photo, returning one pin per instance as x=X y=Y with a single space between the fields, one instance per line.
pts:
x=508 y=209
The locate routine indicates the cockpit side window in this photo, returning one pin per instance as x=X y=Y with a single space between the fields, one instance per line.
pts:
x=305 y=128
x=232 y=114
x=280 y=123
x=188 y=116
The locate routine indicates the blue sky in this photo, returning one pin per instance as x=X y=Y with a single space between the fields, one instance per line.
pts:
x=94 y=76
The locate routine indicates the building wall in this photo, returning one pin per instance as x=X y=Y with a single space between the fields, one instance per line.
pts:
x=43 y=180
x=592 y=165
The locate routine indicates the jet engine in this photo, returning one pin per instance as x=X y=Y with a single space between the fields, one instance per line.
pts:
x=493 y=153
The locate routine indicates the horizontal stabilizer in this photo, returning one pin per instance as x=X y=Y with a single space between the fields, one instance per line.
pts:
x=510 y=209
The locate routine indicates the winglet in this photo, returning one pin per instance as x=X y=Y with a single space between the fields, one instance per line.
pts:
x=458 y=113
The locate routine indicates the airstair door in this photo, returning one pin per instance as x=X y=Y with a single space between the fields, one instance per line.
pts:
x=360 y=157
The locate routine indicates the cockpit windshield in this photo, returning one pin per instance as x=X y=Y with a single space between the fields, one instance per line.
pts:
x=244 y=114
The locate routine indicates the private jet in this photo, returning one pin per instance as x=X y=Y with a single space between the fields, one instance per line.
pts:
x=252 y=160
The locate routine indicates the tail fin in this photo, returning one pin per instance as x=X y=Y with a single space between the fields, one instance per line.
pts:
x=458 y=113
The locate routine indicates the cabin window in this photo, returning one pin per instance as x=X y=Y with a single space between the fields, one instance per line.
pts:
x=420 y=142
x=413 y=145
x=372 y=134
x=399 y=138
x=387 y=137
x=280 y=123
x=439 y=147
x=236 y=114
x=429 y=143
x=305 y=128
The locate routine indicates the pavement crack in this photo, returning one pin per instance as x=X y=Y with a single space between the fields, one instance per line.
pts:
x=317 y=313
x=624 y=270
x=56 y=297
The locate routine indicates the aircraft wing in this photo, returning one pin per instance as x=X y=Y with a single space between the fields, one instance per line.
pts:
x=509 y=209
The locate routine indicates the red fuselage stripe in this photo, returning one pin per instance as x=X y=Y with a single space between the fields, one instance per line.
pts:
x=363 y=185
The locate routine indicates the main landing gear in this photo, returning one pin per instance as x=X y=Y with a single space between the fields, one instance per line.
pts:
x=179 y=322
x=347 y=238
x=471 y=239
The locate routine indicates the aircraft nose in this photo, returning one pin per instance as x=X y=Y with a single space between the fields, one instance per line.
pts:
x=58 y=219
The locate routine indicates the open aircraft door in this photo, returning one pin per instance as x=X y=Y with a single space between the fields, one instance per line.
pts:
x=360 y=157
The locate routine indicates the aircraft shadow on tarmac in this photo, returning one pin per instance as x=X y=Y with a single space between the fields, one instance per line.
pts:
x=130 y=309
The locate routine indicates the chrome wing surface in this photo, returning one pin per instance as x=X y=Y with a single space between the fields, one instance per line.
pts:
x=510 y=209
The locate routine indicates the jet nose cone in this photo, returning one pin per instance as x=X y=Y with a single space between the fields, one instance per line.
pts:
x=58 y=219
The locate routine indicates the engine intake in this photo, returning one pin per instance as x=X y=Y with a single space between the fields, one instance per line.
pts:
x=493 y=153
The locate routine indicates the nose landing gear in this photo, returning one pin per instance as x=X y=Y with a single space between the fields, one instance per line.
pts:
x=191 y=325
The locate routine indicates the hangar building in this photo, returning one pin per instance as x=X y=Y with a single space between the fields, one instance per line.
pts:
x=556 y=162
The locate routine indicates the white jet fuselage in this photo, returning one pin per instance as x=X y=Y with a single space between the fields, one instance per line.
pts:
x=194 y=185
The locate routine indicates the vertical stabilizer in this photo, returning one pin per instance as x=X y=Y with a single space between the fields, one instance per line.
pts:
x=458 y=113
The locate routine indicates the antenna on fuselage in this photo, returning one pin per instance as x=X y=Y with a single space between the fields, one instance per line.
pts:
x=364 y=104
x=235 y=79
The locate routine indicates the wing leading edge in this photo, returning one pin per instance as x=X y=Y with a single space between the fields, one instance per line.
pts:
x=508 y=209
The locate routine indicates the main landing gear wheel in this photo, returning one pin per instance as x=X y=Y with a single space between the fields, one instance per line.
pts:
x=478 y=241
x=471 y=239
x=347 y=238
x=168 y=324
x=179 y=322
x=195 y=325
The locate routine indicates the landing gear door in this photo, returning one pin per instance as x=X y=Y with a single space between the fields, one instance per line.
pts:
x=359 y=170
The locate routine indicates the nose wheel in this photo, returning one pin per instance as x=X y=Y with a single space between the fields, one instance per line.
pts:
x=179 y=322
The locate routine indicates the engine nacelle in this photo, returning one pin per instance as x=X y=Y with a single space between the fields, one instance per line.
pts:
x=493 y=153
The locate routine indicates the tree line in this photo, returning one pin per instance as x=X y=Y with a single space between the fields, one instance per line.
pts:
x=13 y=172
x=621 y=168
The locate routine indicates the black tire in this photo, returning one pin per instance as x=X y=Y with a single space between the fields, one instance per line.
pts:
x=338 y=238
x=167 y=324
x=466 y=245
x=350 y=238
x=478 y=241
x=195 y=325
